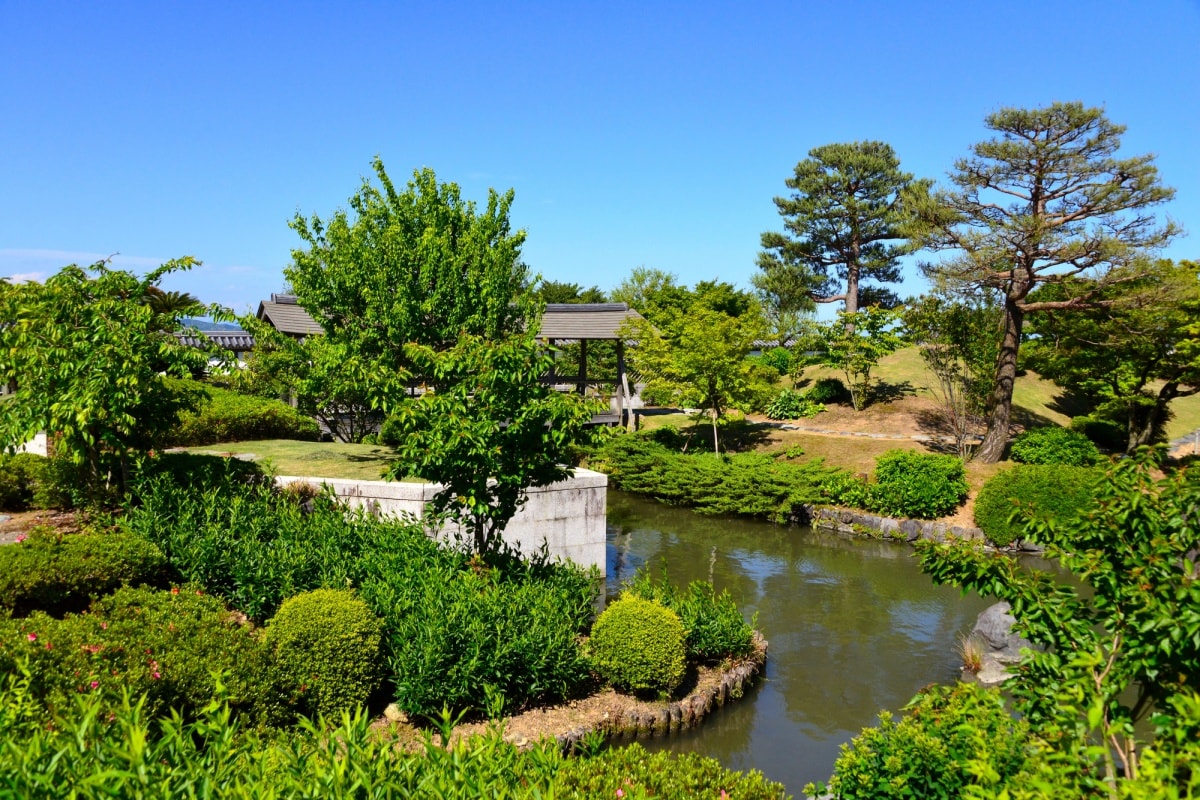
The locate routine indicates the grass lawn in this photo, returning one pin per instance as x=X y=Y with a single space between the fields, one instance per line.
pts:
x=315 y=459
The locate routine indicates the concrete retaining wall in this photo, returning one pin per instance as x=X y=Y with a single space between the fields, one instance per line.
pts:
x=569 y=516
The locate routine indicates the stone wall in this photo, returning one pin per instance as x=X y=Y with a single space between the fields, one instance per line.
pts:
x=908 y=530
x=568 y=516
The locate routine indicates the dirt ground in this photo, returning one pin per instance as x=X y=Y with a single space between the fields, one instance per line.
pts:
x=21 y=522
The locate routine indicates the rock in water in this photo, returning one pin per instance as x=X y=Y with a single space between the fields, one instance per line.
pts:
x=994 y=628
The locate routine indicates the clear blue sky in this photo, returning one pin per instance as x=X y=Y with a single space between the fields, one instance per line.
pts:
x=634 y=134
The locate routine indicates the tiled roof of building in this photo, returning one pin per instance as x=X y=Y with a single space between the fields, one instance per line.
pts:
x=287 y=316
x=584 y=320
x=237 y=341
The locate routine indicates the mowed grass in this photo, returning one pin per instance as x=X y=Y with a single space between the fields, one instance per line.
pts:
x=310 y=459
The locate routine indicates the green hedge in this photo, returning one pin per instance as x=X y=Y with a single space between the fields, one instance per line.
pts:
x=1056 y=491
x=639 y=646
x=906 y=483
x=1054 y=445
x=20 y=476
x=947 y=735
x=163 y=644
x=231 y=417
x=326 y=649
x=58 y=573
x=749 y=484
x=715 y=627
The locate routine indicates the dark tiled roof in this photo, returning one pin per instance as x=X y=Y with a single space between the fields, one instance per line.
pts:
x=584 y=320
x=237 y=341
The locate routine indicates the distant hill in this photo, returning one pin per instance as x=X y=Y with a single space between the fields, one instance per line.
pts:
x=206 y=325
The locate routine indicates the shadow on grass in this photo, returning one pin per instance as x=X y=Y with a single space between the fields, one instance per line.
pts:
x=887 y=392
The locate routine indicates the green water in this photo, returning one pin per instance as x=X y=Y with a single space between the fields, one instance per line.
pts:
x=854 y=627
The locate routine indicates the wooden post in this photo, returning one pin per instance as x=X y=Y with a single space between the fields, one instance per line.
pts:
x=620 y=382
x=583 y=365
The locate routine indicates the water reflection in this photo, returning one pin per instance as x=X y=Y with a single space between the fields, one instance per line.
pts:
x=854 y=628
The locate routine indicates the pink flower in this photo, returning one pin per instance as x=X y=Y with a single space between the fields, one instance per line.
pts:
x=103 y=626
x=21 y=537
x=95 y=684
x=32 y=637
x=174 y=590
x=155 y=675
x=724 y=796
x=620 y=792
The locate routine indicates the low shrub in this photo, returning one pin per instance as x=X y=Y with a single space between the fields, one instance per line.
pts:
x=1032 y=490
x=715 y=627
x=20 y=476
x=918 y=485
x=326 y=648
x=790 y=404
x=58 y=573
x=1053 y=445
x=777 y=358
x=639 y=646
x=231 y=417
x=948 y=739
x=129 y=750
x=390 y=432
x=200 y=472
x=166 y=645
x=828 y=390
x=749 y=484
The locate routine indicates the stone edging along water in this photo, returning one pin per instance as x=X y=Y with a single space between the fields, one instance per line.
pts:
x=845 y=520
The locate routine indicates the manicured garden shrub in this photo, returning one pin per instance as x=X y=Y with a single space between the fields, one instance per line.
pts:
x=917 y=485
x=715 y=627
x=57 y=573
x=231 y=417
x=749 y=484
x=326 y=648
x=390 y=432
x=20 y=476
x=200 y=472
x=828 y=390
x=639 y=646
x=164 y=644
x=1106 y=434
x=1057 y=491
x=790 y=404
x=1053 y=445
x=946 y=735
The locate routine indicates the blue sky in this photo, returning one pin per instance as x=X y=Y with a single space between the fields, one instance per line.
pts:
x=643 y=133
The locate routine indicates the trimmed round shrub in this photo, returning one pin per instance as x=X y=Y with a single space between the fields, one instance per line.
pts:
x=639 y=646
x=715 y=627
x=1054 y=446
x=231 y=417
x=790 y=404
x=327 y=650
x=917 y=485
x=58 y=573
x=828 y=390
x=1043 y=490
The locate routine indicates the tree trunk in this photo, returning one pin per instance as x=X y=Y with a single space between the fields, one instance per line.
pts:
x=1144 y=427
x=992 y=449
x=480 y=535
x=852 y=287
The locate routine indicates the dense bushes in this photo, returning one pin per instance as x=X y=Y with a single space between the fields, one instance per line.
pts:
x=639 y=645
x=1057 y=491
x=89 y=755
x=20 y=476
x=55 y=573
x=163 y=644
x=326 y=648
x=1107 y=434
x=906 y=483
x=747 y=483
x=790 y=404
x=828 y=390
x=715 y=627
x=950 y=738
x=231 y=417
x=1054 y=446
x=458 y=631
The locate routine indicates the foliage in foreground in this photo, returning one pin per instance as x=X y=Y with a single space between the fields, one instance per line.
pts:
x=749 y=484
x=89 y=755
x=1023 y=491
x=1126 y=642
x=945 y=738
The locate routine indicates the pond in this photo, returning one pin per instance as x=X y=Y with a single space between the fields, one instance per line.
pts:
x=854 y=628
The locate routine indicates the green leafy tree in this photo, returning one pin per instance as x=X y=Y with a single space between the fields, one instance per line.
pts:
x=91 y=360
x=841 y=229
x=1044 y=202
x=415 y=265
x=700 y=360
x=321 y=376
x=1134 y=355
x=957 y=338
x=561 y=292
x=1120 y=638
x=854 y=344
x=653 y=293
x=489 y=431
